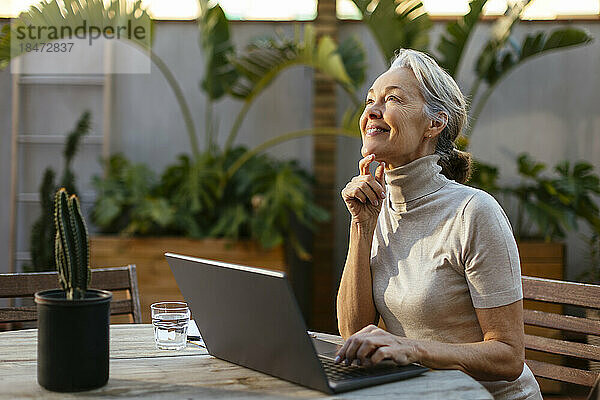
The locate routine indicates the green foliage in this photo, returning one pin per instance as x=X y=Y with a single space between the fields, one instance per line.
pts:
x=495 y=61
x=548 y=207
x=592 y=273
x=41 y=243
x=72 y=247
x=396 y=24
x=353 y=56
x=258 y=201
x=404 y=24
x=454 y=41
x=74 y=137
x=484 y=176
x=501 y=34
x=126 y=201
x=73 y=13
x=217 y=48
x=187 y=198
x=265 y=58
x=42 y=232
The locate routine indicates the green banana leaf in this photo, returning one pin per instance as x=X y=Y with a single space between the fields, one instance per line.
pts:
x=217 y=48
x=453 y=42
x=396 y=24
x=354 y=59
x=535 y=44
x=501 y=31
x=529 y=167
x=264 y=59
x=351 y=118
x=73 y=13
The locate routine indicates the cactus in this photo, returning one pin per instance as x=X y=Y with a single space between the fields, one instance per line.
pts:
x=71 y=245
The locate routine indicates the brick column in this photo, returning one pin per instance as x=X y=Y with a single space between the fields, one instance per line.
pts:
x=324 y=149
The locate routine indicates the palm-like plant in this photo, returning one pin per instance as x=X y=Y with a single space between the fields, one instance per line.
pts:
x=396 y=24
x=197 y=187
x=499 y=56
x=550 y=206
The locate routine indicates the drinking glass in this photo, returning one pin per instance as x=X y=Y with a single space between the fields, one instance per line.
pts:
x=170 y=320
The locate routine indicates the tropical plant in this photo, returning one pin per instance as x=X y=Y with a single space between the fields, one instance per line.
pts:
x=212 y=183
x=98 y=13
x=72 y=248
x=246 y=74
x=550 y=206
x=42 y=232
x=192 y=199
x=396 y=24
x=127 y=201
x=500 y=55
x=592 y=273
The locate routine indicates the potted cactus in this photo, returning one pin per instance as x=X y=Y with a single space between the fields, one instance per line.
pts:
x=73 y=322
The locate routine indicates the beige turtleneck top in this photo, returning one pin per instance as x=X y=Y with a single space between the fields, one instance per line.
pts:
x=440 y=250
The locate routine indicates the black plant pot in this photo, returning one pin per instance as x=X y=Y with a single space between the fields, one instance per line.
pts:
x=73 y=340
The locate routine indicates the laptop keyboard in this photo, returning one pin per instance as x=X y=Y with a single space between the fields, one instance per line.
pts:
x=340 y=372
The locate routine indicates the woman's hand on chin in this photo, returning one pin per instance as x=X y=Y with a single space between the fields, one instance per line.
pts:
x=365 y=193
x=372 y=345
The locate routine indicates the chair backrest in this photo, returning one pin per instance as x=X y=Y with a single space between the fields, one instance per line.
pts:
x=595 y=392
x=568 y=293
x=117 y=279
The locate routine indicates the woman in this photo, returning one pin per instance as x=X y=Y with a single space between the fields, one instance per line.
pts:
x=435 y=259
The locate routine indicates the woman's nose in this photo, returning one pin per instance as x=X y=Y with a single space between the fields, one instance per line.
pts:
x=374 y=112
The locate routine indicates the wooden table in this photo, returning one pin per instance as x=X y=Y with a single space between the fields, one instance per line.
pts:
x=139 y=370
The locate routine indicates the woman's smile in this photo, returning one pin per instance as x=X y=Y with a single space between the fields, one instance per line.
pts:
x=373 y=130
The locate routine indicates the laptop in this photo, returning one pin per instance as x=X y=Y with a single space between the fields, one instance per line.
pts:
x=249 y=316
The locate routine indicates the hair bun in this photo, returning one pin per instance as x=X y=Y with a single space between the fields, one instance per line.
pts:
x=456 y=165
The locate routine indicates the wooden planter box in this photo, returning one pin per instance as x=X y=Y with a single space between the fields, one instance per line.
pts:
x=155 y=280
x=543 y=260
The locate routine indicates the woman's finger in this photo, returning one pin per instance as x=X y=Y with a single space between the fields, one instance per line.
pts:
x=380 y=354
x=341 y=354
x=379 y=172
x=369 y=194
x=365 y=350
x=353 y=345
x=363 y=164
x=375 y=188
x=351 y=192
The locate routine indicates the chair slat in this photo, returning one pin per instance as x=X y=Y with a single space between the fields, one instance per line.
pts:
x=18 y=314
x=561 y=373
x=25 y=284
x=27 y=314
x=116 y=278
x=577 y=294
x=555 y=346
x=563 y=322
x=137 y=311
x=118 y=307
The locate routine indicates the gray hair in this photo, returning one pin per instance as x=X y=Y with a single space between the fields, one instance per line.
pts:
x=442 y=96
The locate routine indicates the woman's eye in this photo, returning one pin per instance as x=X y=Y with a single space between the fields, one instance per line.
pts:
x=394 y=98
x=369 y=101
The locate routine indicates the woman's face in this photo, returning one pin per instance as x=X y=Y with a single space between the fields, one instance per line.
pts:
x=393 y=126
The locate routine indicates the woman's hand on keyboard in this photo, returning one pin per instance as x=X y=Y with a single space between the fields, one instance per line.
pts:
x=371 y=345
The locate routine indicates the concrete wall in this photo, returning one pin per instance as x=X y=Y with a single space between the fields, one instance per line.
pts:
x=547 y=107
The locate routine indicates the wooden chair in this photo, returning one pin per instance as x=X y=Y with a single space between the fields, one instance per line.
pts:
x=117 y=279
x=567 y=293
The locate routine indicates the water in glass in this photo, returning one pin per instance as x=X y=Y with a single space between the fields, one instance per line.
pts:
x=170 y=323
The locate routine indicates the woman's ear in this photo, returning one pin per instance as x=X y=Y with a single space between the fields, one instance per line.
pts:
x=436 y=126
